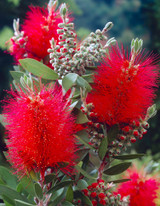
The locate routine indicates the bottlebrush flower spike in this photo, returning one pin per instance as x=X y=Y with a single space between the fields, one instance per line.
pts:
x=39 y=27
x=40 y=130
x=123 y=89
x=142 y=189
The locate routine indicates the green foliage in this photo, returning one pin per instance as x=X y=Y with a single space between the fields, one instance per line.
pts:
x=117 y=169
x=38 y=69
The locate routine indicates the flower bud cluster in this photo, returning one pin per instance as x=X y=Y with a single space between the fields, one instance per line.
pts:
x=18 y=40
x=98 y=193
x=94 y=130
x=61 y=54
x=127 y=135
x=66 y=58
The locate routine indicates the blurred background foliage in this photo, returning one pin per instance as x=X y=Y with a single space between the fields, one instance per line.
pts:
x=131 y=18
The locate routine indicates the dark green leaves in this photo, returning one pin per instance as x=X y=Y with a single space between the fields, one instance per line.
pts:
x=117 y=169
x=60 y=185
x=38 y=69
x=5 y=190
x=84 y=173
x=113 y=132
x=81 y=153
x=49 y=178
x=128 y=157
x=38 y=191
x=103 y=148
x=21 y=203
x=85 y=199
x=69 y=194
x=7 y=177
x=120 y=181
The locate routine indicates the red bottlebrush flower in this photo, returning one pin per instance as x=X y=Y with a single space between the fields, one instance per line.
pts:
x=39 y=28
x=141 y=189
x=123 y=90
x=40 y=130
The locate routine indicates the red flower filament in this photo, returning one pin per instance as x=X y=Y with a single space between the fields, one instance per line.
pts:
x=40 y=130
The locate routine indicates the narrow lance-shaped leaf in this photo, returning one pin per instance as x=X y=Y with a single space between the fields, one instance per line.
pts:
x=21 y=203
x=83 y=172
x=60 y=185
x=117 y=169
x=113 y=132
x=80 y=154
x=128 y=157
x=103 y=148
x=69 y=194
x=119 y=181
x=84 y=142
x=38 y=69
x=38 y=191
x=66 y=203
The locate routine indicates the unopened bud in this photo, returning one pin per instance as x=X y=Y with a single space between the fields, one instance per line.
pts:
x=107 y=27
x=63 y=10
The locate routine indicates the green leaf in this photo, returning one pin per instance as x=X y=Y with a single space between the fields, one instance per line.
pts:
x=84 y=198
x=83 y=83
x=103 y=148
x=88 y=77
x=38 y=191
x=8 y=201
x=82 y=184
x=128 y=157
x=84 y=173
x=9 y=192
x=69 y=80
x=69 y=194
x=117 y=169
x=38 y=69
x=113 y=132
x=7 y=176
x=66 y=203
x=84 y=142
x=119 y=181
x=49 y=178
x=17 y=75
x=28 y=185
x=60 y=185
x=21 y=203
x=81 y=118
x=80 y=154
